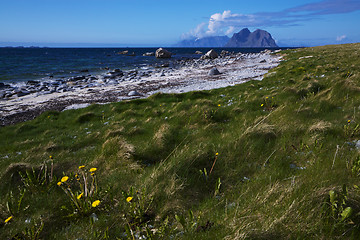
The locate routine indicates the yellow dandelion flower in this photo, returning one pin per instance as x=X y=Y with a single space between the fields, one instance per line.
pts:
x=95 y=203
x=267 y=97
x=128 y=199
x=93 y=169
x=8 y=219
x=80 y=195
x=64 y=179
x=262 y=105
x=82 y=166
x=51 y=157
x=219 y=105
x=349 y=121
x=216 y=154
x=59 y=183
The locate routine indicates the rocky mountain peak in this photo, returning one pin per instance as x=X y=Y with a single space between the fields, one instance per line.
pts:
x=245 y=38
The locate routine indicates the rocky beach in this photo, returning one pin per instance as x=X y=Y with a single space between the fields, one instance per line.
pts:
x=212 y=70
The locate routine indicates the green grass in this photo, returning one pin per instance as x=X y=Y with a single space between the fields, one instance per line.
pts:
x=283 y=143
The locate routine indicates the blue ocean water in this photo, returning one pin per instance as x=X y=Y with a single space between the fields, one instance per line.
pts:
x=24 y=64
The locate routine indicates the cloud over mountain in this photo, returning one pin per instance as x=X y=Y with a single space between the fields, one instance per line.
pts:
x=227 y=23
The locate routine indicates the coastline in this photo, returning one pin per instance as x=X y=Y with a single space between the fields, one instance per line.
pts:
x=190 y=75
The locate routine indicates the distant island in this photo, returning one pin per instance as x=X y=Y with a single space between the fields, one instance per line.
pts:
x=243 y=39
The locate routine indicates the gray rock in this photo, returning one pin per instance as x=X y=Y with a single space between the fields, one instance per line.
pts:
x=214 y=71
x=115 y=73
x=212 y=54
x=134 y=93
x=123 y=52
x=22 y=93
x=198 y=52
x=78 y=78
x=149 y=54
x=162 y=53
x=224 y=53
x=31 y=82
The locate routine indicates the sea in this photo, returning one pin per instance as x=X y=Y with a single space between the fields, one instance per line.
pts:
x=21 y=64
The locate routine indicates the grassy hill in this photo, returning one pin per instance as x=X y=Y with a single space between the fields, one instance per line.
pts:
x=271 y=159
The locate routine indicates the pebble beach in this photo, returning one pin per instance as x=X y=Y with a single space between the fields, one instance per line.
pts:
x=18 y=104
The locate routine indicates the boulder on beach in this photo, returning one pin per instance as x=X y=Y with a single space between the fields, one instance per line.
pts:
x=198 y=52
x=225 y=53
x=134 y=93
x=3 y=85
x=22 y=92
x=214 y=71
x=162 y=53
x=149 y=54
x=212 y=54
x=32 y=82
x=123 y=52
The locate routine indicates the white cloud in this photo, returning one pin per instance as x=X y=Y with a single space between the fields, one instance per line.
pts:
x=224 y=23
x=230 y=30
x=340 y=38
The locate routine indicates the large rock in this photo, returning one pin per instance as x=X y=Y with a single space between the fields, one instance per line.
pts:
x=162 y=53
x=212 y=54
x=214 y=71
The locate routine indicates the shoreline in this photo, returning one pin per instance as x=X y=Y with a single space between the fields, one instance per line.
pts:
x=115 y=86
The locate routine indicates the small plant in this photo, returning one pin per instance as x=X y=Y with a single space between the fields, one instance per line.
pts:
x=138 y=206
x=356 y=166
x=188 y=223
x=204 y=174
x=217 y=187
x=14 y=203
x=82 y=190
x=138 y=217
x=41 y=181
x=340 y=214
x=268 y=104
x=31 y=233
x=338 y=203
x=351 y=129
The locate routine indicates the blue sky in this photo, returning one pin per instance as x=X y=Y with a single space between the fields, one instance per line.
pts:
x=163 y=23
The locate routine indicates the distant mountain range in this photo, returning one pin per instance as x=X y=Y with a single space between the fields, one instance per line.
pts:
x=243 y=39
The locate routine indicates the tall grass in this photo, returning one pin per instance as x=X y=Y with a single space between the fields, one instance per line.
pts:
x=253 y=161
